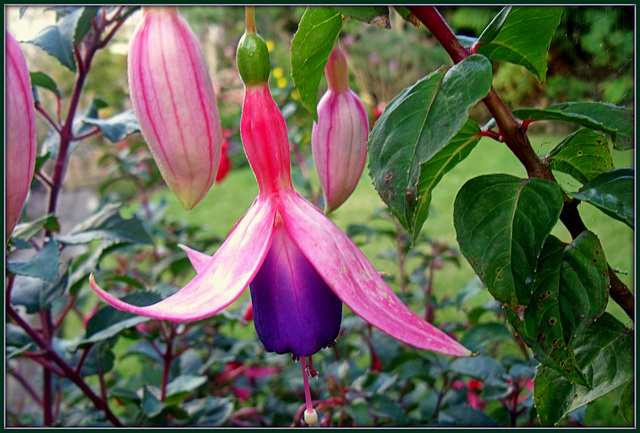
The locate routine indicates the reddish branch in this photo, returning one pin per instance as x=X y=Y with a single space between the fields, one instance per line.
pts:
x=513 y=133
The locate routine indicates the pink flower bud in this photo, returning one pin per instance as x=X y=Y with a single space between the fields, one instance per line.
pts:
x=175 y=104
x=339 y=139
x=20 y=144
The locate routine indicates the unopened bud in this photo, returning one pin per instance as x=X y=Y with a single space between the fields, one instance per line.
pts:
x=339 y=139
x=20 y=132
x=175 y=104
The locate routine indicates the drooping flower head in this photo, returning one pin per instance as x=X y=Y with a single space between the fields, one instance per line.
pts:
x=20 y=144
x=339 y=139
x=174 y=102
x=299 y=265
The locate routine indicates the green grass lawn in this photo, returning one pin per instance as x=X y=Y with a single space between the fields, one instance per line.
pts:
x=228 y=201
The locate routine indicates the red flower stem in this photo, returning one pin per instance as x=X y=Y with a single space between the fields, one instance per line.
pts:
x=307 y=392
x=47 y=376
x=40 y=109
x=94 y=131
x=83 y=358
x=41 y=359
x=512 y=132
x=43 y=178
x=66 y=368
x=250 y=19
x=67 y=308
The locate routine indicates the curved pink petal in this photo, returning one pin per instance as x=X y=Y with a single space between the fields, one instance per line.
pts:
x=349 y=274
x=198 y=260
x=222 y=279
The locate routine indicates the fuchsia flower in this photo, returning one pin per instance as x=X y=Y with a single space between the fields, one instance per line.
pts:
x=299 y=265
x=20 y=139
x=339 y=139
x=174 y=102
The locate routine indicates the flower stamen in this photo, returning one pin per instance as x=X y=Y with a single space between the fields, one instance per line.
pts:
x=310 y=415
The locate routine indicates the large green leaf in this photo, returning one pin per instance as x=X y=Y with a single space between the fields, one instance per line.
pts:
x=604 y=351
x=612 y=119
x=612 y=193
x=415 y=127
x=523 y=38
x=435 y=168
x=570 y=293
x=43 y=264
x=107 y=224
x=502 y=223
x=376 y=15
x=310 y=49
x=583 y=154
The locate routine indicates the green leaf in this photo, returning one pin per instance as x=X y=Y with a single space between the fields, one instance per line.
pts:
x=151 y=405
x=604 y=351
x=40 y=79
x=376 y=15
x=108 y=225
x=117 y=127
x=571 y=292
x=101 y=360
x=494 y=27
x=15 y=336
x=501 y=224
x=583 y=154
x=310 y=49
x=109 y=322
x=464 y=415
x=184 y=384
x=627 y=403
x=524 y=38
x=359 y=411
x=612 y=119
x=433 y=170
x=26 y=231
x=36 y=295
x=44 y=264
x=85 y=266
x=418 y=124
x=84 y=23
x=209 y=411
x=485 y=334
x=479 y=367
x=57 y=40
x=612 y=193
x=385 y=407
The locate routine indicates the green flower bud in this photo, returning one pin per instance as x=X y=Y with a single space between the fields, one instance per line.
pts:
x=253 y=59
